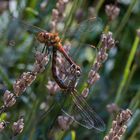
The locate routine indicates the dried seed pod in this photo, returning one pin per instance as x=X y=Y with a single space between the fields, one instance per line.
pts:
x=64 y=122
x=52 y=87
x=107 y=40
x=112 y=11
x=3 y=124
x=23 y=82
x=85 y=92
x=18 y=126
x=93 y=79
x=112 y=108
x=119 y=125
x=41 y=61
x=9 y=99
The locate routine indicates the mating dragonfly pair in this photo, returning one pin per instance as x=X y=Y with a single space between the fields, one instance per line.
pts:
x=82 y=111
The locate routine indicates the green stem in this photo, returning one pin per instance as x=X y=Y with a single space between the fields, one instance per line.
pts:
x=73 y=135
x=99 y=5
x=125 y=18
x=5 y=78
x=127 y=71
x=135 y=101
x=134 y=67
x=70 y=17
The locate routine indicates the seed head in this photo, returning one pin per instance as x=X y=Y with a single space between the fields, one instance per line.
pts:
x=85 y=92
x=52 y=87
x=40 y=63
x=112 y=11
x=107 y=41
x=112 y=108
x=21 y=84
x=93 y=77
x=119 y=125
x=2 y=126
x=9 y=99
x=64 y=122
x=18 y=126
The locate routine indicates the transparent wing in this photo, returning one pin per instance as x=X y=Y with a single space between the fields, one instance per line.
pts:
x=84 y=115
x=93 y=27
x=21 y=33
x=29 y=27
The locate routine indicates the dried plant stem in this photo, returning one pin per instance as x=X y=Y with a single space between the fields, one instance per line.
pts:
x=125 y=18
x=127 y=71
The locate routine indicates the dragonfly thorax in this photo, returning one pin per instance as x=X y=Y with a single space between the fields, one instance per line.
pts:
x=51 y=39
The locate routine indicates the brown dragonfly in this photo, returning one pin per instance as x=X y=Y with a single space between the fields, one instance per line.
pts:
x=82 y=112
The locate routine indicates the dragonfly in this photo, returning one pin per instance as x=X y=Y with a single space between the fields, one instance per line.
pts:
x=80 y=111
x=83 y=114
x=51 y=40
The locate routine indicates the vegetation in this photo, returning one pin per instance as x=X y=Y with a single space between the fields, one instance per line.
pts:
x=107 y=50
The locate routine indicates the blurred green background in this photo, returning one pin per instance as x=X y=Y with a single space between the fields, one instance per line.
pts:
x=119 y=82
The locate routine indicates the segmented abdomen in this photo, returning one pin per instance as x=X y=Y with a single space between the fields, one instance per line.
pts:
x=54 y=71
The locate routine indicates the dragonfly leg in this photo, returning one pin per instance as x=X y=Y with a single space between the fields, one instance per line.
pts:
x=44 y=48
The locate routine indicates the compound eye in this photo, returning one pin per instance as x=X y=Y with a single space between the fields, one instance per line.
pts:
x=41 y=37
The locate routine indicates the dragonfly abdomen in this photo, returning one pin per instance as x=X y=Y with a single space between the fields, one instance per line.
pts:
x=54 y=71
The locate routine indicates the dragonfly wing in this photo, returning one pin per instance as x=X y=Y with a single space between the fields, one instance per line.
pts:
x=20 y=33
x=29 y=27
x=92 y=27
x=84 y=115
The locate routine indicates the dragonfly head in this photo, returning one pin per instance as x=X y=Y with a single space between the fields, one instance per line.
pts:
x=48 y=38
x=41 y=37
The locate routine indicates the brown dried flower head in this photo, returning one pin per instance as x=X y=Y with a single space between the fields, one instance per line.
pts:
x=107 y=41
x=18 y=126
x=52 y=87
x=112 y=108
x=85 y=92
x=41 y=61
x=23 y=82
x=119 y=125
x=64 y=122
x=9 y=99
x=2 y=125
x=112 y=11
